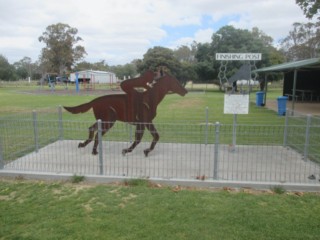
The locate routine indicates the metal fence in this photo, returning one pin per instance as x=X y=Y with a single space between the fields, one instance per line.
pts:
x=283 y=153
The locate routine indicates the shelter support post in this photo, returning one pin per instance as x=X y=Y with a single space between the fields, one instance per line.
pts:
x=294 y=89
x=265 y=89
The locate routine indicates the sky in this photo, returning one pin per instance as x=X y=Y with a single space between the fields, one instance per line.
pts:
x=119 y=31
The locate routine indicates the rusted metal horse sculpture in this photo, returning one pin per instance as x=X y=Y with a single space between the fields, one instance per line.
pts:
x=137 y=106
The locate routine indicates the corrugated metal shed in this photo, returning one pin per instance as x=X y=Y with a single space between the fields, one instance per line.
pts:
x=94 y=76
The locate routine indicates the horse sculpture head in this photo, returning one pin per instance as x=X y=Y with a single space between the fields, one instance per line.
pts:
x=169 y=84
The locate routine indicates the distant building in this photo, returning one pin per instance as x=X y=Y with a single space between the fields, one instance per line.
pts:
x=94 y=76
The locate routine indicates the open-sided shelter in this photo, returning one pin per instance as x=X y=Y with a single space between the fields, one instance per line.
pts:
x=301 y=79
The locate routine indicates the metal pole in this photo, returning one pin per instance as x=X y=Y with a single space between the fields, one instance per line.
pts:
x=216 y=151
x=265 y=89
x=285 y=131
x=306 y=145
x=294 y=89
x=60 y=123
x=77 y=82
x=100 y=147
x=234 y=132
x=207 y=122
x=35 y=130
x=130 y=129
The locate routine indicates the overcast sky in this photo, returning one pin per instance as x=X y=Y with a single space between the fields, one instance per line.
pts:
x=119 y=31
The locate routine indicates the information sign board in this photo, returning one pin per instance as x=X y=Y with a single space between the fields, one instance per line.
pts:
x=236 y=103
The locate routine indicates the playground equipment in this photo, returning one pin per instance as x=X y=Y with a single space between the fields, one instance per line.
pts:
x=52 y=80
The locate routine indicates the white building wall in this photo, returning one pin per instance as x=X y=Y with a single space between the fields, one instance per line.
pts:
x=95 y=76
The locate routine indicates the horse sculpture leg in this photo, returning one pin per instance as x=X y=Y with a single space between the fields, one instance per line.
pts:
x=138 y=136
x=105 y=127
x=155 y=139
x=92 y=129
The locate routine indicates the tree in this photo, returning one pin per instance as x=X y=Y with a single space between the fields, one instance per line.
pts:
x=160 y=57
x=231 y=40
x=127 y=70
x=302 y=42
x=25 y=68
x=310 y=7
x=84 y=65
x=61 y=51
x=185 y=53
x=6 y=69
x=204 y=67
x=99 y=66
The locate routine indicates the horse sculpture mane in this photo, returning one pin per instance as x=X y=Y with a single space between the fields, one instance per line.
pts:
x=136 y=107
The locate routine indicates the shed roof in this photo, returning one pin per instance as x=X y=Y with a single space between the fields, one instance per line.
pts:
x=93 y=72
x=307 y=64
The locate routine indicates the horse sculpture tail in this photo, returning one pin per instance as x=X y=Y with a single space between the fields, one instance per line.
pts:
x=79 y=109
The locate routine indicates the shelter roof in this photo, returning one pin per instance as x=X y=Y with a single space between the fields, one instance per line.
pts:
x=307 y=65
x=90 y=71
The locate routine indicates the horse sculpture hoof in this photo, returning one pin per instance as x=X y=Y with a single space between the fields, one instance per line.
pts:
x=125 y=151
x=80 y=145
x=146 y=152
x=94 y=152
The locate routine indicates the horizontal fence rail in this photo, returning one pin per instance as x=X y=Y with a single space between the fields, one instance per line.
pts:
x=283 y=153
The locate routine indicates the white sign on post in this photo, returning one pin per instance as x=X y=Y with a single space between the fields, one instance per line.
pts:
x=236 y=104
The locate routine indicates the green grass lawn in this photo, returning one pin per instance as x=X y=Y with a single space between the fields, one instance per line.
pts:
x=53 y=210
x=136 y=210
x=188 y=109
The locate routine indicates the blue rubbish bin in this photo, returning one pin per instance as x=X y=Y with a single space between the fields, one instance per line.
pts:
x=282 y=105
x=259 y=98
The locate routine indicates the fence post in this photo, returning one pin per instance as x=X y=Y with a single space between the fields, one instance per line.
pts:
x=130 y=129
x=207 y=122
x=306 y=145
x=60 y=122
x=100 y=147
x=35 y=130
x=285 y=131
x=234 y=132
x=216 y=151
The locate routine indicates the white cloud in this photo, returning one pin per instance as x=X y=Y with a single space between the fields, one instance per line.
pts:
x=119 y=31
x=200 y=36
x=203 y=35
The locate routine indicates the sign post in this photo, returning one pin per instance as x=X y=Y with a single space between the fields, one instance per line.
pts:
x=235 y=104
